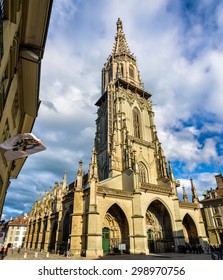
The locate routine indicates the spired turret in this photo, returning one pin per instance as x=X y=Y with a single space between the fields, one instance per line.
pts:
x=64 y=182
x=185 y=198
x=80 y=174
x=93 y=167
x=194 y=192
x=121 y=63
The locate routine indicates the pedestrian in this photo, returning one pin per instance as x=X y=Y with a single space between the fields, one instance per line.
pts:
x=220 y=252
x=6 y=251
x=200 y=249
x=2 y=253
x=196 y=248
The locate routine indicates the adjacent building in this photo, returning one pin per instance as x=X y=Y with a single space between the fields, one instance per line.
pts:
x=16 y=231
x=128 y=200
x=213 y=212
x=23 y=32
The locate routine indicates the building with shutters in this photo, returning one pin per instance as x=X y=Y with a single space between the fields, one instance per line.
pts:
x=23 y=32
x=16 y=231
x=213 y=212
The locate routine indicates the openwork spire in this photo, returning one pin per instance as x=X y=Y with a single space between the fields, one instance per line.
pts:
x=120 y=46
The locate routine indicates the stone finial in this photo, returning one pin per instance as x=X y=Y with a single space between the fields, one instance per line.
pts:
x=93 y=166
x=119 y=25
x=64 y=183
x=80 y=174
x=170 y=171
x=80 y=169
x=185 y=198
x=194 y=192
x=120 y=46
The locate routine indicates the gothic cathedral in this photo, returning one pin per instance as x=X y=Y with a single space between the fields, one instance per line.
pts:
x=128 y=201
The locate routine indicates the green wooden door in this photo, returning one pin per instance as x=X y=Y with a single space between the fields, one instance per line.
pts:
x=105 y=240
x=150 y=241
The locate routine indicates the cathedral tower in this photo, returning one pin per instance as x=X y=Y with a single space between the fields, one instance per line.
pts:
x=132 y=202
x=126 y=137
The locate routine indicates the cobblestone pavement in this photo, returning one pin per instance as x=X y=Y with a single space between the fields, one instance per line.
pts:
x=31 y=255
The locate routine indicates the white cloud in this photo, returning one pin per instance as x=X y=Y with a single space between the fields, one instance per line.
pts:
x=184 y=147
x=219 y=14
x=202 y=182
x=63 y=11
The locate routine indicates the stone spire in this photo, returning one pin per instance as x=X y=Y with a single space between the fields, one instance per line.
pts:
x=194 y=192
x=93 y=166
x=80 y=169
x=170 y=171
x=64 y=183
x=121 y=64
x=80 y=176
x=162 y=162
x=120 y=46
x=185 y=198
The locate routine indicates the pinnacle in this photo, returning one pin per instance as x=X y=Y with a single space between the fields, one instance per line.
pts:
x=120 y=46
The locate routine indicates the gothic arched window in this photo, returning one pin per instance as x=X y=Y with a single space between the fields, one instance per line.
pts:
x=142 y=173
x=122 y=69
x=131 y=71
x=136 y=123
x=105 y=172
x=109 y=74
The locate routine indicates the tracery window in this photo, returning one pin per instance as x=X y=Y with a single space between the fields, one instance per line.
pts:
x=142 y=173
x=136 y=123
x=122 y=69
x=105 y=172
x=110 y=74
x=131 y=71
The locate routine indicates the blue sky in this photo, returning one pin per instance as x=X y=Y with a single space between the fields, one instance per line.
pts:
x=179 y=50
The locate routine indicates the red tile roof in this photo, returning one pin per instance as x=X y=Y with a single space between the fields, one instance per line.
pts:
x=20 y=220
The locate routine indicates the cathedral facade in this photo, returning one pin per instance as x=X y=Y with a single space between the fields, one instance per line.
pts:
x=128 y=201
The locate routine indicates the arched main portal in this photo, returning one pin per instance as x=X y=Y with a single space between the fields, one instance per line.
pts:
x=159 y=228
x=190 y=230
x=115 y=230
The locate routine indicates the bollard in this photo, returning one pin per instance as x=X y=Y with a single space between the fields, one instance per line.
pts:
x=25 y=255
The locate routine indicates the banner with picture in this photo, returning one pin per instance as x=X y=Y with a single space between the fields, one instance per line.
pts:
x=21 y=145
